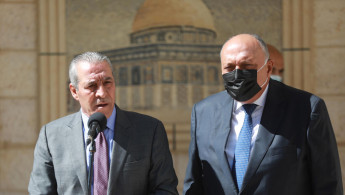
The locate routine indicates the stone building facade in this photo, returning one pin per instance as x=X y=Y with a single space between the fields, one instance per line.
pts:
x=39 y=37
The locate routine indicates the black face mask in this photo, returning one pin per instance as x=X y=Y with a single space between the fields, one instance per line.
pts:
x=241 y=84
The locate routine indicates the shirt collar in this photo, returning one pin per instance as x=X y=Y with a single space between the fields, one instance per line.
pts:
x=110 y=120
x=260 y=101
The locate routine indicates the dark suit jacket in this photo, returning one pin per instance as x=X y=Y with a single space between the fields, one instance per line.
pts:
x=295 y=152
x=141 y=161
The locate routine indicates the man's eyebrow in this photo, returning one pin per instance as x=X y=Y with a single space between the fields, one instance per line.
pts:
x=246 y=61
x=90 y=82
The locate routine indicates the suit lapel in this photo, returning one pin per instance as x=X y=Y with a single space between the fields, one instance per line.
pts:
x=270 y=120
x=224 y=121
x=119 y=154
x=75 y=143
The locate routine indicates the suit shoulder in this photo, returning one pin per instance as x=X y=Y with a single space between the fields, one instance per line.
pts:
x=63 y=120
x=138 y=117
x=292 y=92
x=54 y=127
x=141 y=124
x=294 y=96
x=214 y=100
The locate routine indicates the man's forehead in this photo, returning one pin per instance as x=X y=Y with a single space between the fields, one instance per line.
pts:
x=240 y=56
x=240 y=48
x=89 y=67
x=99 y=76
x=95 y=74
x=238 y=53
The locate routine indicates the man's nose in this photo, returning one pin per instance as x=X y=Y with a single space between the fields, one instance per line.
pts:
x=239 y=67
x=101 y=91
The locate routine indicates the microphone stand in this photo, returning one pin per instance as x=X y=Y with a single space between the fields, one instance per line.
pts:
x=92 y=150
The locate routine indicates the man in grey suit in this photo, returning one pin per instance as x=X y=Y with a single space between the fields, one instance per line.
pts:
x=260 y=136
x=139 y=158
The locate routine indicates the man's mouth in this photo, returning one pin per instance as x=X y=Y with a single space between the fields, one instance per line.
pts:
x=101 y=105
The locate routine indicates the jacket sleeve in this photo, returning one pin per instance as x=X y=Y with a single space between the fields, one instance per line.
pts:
x=42 y=180
x=193 y=179
x=162 y=177
x=324 y=157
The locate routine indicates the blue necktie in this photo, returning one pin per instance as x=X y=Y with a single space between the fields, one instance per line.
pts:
x=242 y=149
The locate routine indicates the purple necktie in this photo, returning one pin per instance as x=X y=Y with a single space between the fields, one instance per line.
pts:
x=101 y=168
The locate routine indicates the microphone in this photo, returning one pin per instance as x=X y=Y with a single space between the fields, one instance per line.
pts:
x=97 y=123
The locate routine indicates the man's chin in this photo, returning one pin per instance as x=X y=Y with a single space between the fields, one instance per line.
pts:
x=106 y=110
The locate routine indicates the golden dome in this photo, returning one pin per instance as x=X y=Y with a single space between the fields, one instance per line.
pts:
x=161 y=13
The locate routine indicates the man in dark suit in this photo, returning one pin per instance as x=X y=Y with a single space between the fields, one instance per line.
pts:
x=137 y=159
x=260 y=136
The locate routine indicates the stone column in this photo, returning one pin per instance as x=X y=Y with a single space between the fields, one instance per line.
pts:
x=297 y=42
x=53 y=69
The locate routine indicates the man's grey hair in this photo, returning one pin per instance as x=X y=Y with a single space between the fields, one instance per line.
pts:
x=90 y=57
x=263 y=45
x=261 y=42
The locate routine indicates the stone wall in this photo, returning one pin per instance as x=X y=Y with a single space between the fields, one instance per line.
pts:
x=329 y=65
x=18 y=96
x=33 y=59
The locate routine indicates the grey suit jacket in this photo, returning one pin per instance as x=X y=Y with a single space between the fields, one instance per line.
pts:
x=295 y=152
x=141 y=160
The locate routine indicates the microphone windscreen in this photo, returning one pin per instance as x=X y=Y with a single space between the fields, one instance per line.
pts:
x=99 y=118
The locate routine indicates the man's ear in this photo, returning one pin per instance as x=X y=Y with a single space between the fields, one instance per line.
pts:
x=269 y=66
x=73 y=91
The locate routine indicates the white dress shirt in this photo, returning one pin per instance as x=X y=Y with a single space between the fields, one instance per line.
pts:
x=237 y=120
